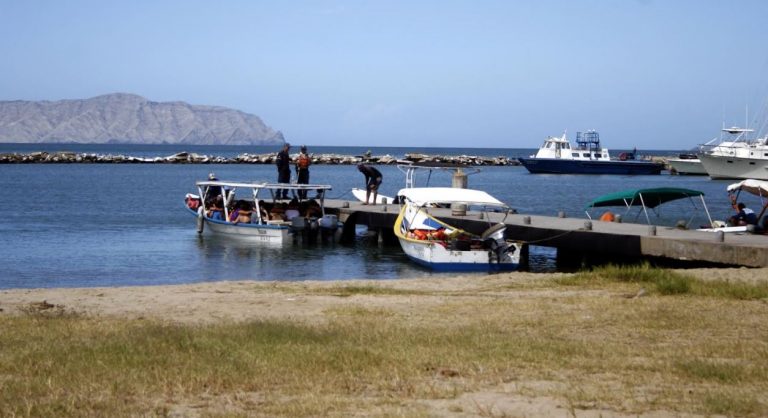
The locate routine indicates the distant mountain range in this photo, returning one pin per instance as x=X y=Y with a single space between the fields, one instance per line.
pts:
x=130 y=119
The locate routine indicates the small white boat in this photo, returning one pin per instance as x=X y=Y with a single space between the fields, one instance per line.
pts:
x=758 y=188
x=686 y=165
x=437 y=245
x=410 y=169
x=359 y=194
x=266 y=219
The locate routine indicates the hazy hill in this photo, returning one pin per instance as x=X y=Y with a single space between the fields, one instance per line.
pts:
x=128 y=118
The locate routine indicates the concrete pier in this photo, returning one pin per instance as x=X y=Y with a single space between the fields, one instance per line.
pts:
x=576 y=240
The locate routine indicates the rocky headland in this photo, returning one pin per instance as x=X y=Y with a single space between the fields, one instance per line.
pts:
x=130 y=119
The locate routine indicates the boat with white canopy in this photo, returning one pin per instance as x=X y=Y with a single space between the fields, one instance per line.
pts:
x=436 y=244
x=252 y=210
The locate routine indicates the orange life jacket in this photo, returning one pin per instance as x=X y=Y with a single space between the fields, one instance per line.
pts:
x=303 y=162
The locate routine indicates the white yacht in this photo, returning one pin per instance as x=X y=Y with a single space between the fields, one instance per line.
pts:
x=737 y=158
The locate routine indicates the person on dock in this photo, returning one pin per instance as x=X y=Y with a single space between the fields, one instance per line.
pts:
x=372 y=181
x=302 y=170
x=283 y=162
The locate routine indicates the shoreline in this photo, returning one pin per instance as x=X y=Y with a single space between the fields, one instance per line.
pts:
x=247 y=299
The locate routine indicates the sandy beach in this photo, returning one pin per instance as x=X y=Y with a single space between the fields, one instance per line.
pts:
x=249 y=300
x=317 y=302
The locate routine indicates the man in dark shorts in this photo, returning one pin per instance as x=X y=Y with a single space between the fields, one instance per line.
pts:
x=372 y=181
x=283 y=169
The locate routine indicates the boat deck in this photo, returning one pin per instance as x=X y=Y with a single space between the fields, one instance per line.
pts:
x=579 y=236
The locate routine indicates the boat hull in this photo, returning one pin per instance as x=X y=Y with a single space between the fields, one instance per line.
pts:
x=689 y=167
x=562 y=166
x=436 y=257
x=444 y=254
x=730 y=167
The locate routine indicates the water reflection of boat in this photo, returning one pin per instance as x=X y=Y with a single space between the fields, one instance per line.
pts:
x=217 y=206
x=435 y=244
x=557 y=157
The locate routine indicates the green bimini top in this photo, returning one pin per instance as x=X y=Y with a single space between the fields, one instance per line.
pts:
x=650 y=197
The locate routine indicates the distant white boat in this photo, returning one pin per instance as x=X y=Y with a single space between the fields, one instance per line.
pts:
x=686 y=164
x=437 y=245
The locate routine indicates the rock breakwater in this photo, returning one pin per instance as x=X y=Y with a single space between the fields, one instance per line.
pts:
x=66 y=157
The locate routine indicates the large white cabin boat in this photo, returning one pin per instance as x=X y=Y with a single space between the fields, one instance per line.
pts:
x=556 y=156
x=737 y=158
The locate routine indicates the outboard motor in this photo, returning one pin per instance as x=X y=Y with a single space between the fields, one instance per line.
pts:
x=493 y=239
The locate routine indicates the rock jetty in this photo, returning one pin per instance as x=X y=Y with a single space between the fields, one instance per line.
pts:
x=66 y=157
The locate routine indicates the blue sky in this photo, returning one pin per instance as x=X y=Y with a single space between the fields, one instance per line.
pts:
x=652 y=74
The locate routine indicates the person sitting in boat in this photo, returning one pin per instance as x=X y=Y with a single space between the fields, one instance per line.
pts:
x=263 y=211
x=293 y=209
x=242 y=212
x=278 y=212
x=744 y=215
x=216 y=208
x=311 y=209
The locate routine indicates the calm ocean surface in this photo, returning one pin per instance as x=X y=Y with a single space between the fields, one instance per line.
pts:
x=75 y=225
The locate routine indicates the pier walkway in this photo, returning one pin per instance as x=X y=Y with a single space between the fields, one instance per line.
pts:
x=577 y=238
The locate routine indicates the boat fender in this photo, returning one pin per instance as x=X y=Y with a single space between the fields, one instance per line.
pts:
x=200 y=220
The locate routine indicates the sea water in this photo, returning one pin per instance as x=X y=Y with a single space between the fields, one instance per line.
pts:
x=73 y=225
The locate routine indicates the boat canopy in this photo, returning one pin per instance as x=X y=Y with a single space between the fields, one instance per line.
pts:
x=650 y=198
x=263 y=185
x=426 y=195
x=756 y=187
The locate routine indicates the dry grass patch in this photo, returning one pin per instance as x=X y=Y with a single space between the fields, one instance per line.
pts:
x=576 y=341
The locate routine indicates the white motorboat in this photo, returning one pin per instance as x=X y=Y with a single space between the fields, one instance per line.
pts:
x=737 y=157
x=757 y=188
x=686 y=165
x=410 y=170
x=436 y=244
x=265 y=218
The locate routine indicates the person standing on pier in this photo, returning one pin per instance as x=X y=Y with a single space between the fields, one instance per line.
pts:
x=283 y=169
x=372 y=181
x=302 y=170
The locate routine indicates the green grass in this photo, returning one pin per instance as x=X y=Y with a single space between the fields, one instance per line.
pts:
x=666 y=282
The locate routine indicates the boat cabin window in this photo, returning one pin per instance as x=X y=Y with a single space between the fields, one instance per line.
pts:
x=586 y=155
x=598 y=155
x=575 y=154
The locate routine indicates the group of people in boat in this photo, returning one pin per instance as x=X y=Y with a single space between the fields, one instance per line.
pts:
x=243 y=211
